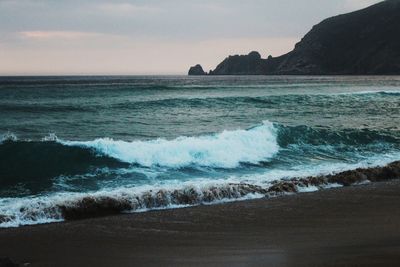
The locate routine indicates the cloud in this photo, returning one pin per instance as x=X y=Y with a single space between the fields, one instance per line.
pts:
x=213 y=7
x=70 y=35
x=126 y=9
x=151 y=36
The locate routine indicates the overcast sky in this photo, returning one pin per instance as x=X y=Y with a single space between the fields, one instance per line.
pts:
x=152 y=36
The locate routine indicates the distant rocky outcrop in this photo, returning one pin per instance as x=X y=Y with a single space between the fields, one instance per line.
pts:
x=364 y=42
x=250 y=64
x=197 y=70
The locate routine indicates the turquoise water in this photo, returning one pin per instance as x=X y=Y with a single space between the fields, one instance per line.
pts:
x=63 y=138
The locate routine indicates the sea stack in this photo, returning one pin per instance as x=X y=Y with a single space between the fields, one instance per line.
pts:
x=197 y=70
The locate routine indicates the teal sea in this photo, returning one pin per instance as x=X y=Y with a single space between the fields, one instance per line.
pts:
x=128 y=138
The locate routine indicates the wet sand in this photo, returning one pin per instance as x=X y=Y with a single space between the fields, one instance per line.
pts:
x=351 y=226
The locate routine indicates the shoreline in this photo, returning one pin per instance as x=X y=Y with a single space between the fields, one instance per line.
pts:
x=348 y=226
x=100 y=205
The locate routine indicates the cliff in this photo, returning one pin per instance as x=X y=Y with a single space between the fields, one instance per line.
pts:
x=363 y=42
x=250 y=64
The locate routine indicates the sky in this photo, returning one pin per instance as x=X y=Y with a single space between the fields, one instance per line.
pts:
x=54 y=37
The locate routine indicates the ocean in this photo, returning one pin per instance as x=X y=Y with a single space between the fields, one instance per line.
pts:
x=153 y=142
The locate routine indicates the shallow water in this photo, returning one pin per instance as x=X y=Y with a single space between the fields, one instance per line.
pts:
x=63 y=138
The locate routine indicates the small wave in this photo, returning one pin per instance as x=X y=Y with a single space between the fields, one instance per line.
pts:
x=36 y=163
x=69 y=206
x=300 y=135
x=44 y=108
x=72 y=206
x=51 y=137
x=7 y=137
x=224 y=150
x=371 y=92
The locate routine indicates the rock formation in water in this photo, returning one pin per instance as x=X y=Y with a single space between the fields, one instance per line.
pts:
x=363 y=42
x=197 y=70
x=250 y=64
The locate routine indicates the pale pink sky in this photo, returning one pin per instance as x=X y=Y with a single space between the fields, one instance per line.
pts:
x=150 y=37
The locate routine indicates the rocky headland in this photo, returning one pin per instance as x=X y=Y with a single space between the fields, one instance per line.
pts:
x=364 y=42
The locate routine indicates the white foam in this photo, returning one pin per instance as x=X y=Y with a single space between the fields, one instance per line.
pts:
x=8 y=136
x=307 y=189
x=224 y=150
x=325 y=168
x=51 y=137
x=393 y=92
x=44 y=209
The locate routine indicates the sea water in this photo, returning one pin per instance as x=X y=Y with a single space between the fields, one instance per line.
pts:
x=135 y=138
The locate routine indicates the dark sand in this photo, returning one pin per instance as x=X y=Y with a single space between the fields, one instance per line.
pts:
x=352 y=226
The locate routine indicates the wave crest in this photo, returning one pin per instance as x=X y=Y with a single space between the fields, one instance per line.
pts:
x=8 y=137
x=224 y=150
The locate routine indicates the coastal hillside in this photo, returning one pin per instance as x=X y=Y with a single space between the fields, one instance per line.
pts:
x=365 y=42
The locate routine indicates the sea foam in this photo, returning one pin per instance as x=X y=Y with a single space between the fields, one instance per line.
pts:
x=174 y=194
x=223 y=150
x=8 y=136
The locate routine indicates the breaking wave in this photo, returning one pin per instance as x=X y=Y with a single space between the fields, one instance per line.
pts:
x=268 y=142
x=224 y=150
x=264 y=160
x=72 y=206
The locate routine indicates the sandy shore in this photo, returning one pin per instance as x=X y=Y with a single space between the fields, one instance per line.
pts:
x=352 y=226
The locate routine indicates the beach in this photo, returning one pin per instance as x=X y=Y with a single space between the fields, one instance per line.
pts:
x=188 y=171
x=350 y=226
x=123 y=141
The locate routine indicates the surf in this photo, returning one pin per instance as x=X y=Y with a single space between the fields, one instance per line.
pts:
x=71 y=206
x=227 y=149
